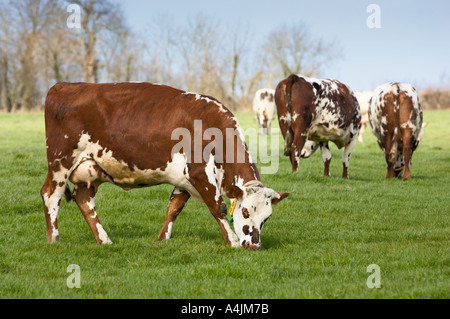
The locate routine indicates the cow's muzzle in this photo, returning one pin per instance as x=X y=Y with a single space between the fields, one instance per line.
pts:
x=250 y=246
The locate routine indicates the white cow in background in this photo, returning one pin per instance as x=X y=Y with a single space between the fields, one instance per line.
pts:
x=264 y=109
x=363 y=100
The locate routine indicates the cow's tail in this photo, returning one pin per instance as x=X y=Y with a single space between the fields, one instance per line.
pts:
x=288 y=97
x=396 y=136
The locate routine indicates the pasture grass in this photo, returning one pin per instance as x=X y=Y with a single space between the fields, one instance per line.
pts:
x=318 y=243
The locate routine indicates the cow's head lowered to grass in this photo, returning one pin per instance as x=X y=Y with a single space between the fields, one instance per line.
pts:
x=252 y=209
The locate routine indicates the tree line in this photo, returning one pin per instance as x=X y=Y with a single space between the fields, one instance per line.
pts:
x=39 y=46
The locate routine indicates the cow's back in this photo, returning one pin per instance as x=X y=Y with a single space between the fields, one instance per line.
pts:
x=394 y=107
x=135 y=121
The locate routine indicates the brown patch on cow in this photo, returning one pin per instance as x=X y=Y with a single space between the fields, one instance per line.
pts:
x=266 y=115
x=245 y=213
x=246 y=230
x=255 y=235
x=223 y=209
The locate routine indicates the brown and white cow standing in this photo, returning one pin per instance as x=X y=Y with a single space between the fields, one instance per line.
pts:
x=123 y=133
x=264 y=109
x=318 y=110
x=396 y=120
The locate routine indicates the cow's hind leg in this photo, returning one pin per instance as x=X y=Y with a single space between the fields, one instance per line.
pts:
x=389 y=149
x=85 y=199
x=407 y=153
x=178 y=199
x=51 y=192
x=326 y=157
x=348 y=154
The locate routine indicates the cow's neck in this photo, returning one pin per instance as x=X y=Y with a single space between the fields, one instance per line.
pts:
x=241 y=175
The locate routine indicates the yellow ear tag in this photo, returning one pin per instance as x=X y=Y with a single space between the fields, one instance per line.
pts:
x=233 y=206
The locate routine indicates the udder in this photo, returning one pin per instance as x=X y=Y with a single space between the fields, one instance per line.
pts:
x=89 y=173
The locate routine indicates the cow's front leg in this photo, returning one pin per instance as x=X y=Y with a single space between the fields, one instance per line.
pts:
x=178 y=199
x=85 y=199
x=218 y=209
x=326 y=157
x=215 y=203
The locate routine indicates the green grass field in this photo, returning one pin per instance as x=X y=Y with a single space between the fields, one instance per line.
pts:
x=317 y=244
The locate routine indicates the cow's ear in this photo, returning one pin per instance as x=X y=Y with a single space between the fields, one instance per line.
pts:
x=234 y=192
x=279 y=197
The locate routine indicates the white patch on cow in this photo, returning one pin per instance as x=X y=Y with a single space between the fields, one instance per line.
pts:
x=214 y=175
x=169 y=231
x=103 y=235
x=177 y=191
x=52 y=204
x=197 y=96
x=239 y=182
x=207 y=100
x=348 y=152
x=91 y=205
x=285 y=118
x=295 y=116
x=333 y=86
x=66 y=137
x=175 y=173
x=309 y=148
x=232 y=238
x=326 y=154
x=297 y=158
x=409 y=90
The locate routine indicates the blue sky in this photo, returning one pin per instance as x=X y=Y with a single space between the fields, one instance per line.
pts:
x=412 y=45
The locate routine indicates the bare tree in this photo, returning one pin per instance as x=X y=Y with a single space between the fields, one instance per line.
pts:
x=31 y=17
x=5 y=54
x=97 y=16
x=202 y=56
x=293 y=49
x=60 y=46
x=121 y=54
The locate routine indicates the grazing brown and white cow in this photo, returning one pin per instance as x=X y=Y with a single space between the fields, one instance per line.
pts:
x=264 y=109
x=129 y=134
x=396 y=120
x=320 y=111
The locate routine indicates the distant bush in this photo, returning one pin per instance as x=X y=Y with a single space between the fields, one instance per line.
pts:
x=435 y=99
